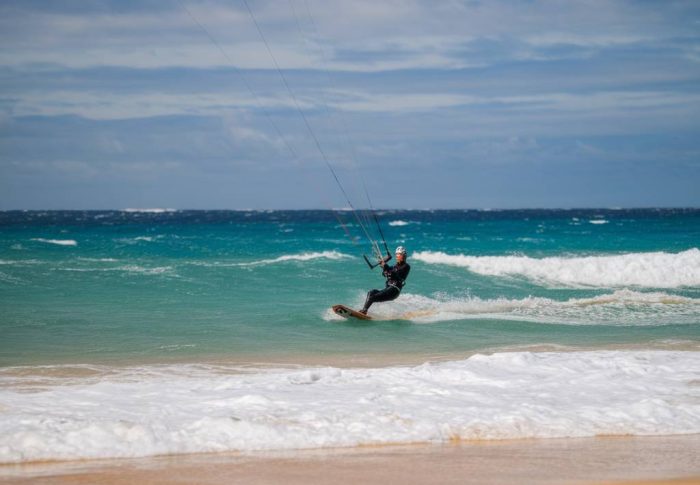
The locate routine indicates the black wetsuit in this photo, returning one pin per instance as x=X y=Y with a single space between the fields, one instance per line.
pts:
x=395 y=279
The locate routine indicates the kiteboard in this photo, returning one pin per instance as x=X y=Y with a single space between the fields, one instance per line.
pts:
x=346 y=312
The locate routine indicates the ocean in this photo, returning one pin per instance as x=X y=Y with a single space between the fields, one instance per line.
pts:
x=144 y=332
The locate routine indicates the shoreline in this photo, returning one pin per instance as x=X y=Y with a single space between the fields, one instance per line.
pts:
x=600 y=460
x=340 y=360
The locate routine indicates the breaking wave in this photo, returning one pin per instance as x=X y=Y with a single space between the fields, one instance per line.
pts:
x=59 y=242
x=332 y=255
x=651 y=270
x=141 y=411
x=155 y=210
x=620 y=308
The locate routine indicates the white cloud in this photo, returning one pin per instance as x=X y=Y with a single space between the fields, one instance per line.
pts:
x=104 y=106
x=383 y=102
x=554 y=38
x=82 y=169
x=362 y=35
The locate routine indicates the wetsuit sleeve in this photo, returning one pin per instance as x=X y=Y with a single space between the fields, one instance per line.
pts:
x=388 y=270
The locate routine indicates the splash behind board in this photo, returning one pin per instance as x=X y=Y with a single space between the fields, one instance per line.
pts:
x=347 y=312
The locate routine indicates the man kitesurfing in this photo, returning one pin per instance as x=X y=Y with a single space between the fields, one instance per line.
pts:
x=396 y=275
x=395 y=279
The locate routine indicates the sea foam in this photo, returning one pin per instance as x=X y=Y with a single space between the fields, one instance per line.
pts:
x=651 y=270
x=154 y=210
x=286 y=258
x=59 y=242
x=620 y=308
x=200 y=408
x=308 y=256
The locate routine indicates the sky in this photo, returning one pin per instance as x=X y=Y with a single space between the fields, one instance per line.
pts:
x=412 y=104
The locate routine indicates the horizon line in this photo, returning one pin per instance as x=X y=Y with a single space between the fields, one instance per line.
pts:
x=160 y=210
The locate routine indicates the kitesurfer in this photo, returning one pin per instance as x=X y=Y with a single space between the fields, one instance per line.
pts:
x=395 y=279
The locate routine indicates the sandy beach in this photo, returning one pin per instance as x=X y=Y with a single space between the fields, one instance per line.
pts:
x=603 y=460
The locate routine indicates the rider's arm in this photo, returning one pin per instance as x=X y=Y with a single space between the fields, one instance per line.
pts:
x=387 y=269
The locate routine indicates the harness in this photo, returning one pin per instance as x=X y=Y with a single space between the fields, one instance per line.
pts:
x=394 y=286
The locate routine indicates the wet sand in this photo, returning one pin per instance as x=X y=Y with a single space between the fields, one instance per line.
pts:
x=247 y=363
x=605 y=460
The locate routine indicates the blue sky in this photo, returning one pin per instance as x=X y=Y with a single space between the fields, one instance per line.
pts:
x=451 y=104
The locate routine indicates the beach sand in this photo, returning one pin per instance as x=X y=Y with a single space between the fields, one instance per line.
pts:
x=603 y=460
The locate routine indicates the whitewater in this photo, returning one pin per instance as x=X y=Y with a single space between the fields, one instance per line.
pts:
x=145 y=332
x=199 y=408
x=651 y=270
x=619 y=308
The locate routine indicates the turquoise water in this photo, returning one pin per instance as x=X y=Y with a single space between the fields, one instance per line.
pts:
x=161 y=332
x=116 y=286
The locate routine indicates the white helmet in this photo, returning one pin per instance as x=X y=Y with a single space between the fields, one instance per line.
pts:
x=401 y=250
